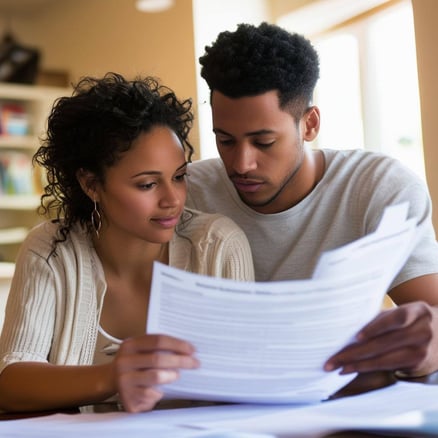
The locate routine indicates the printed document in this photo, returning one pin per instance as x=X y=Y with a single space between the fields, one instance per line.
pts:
x=266 y=342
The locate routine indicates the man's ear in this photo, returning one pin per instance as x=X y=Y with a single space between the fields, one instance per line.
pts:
x=87 y=181
x=311 y=122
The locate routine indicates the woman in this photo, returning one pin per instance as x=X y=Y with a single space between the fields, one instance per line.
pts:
x=116 y=156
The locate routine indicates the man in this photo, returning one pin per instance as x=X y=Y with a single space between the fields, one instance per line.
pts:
x=294 y=202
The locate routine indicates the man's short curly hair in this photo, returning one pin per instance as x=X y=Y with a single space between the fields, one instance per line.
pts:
x=91 y=129
x=255 y=59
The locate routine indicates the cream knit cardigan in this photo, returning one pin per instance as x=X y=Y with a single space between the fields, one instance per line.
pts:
x=55 y=301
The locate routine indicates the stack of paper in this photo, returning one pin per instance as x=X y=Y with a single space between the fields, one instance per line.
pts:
x=267 y=342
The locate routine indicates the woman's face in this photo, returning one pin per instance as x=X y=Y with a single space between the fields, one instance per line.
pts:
x=144 y=193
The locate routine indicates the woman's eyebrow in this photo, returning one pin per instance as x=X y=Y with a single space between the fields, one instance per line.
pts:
x=247 y=134
x=157 y=172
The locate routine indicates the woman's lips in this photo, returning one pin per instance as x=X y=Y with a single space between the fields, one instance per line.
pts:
x=167 y=222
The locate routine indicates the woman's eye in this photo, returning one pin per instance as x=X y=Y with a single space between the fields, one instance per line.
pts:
x=147 y=186
x=181 y=176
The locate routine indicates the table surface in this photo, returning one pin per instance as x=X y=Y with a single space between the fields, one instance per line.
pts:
x=362 y=384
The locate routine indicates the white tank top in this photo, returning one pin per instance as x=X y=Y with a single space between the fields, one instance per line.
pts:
x=106 y=347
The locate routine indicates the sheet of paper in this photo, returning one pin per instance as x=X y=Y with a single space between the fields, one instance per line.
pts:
x=266 y=342
x=389 y=246
x=402 y=407
x=393 y=218
x=256 y=341
x=157 y=424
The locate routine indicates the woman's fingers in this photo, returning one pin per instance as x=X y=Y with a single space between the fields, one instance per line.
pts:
x=155 y=360
x=143 y=363
x=140 y=398
x=156 y=342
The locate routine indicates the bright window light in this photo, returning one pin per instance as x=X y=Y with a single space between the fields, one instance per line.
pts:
x=368 y=90
x=338 y=93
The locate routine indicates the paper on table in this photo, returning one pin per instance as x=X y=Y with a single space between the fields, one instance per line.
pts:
x=266 y=342
x=400 y=408
x=403 y=407
x=161 y=423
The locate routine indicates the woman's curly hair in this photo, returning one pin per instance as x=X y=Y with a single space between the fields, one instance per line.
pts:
x=256 y=59
x=91 y=129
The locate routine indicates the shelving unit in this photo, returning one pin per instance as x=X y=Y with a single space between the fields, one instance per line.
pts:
x=18 y=211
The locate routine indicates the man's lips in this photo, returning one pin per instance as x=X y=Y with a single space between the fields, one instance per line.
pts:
x=246 y=184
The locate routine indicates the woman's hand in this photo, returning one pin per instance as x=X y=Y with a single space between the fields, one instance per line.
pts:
x=403 y=339
x=144 y=362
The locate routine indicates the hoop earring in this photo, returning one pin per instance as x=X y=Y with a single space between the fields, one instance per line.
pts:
x=96 y=219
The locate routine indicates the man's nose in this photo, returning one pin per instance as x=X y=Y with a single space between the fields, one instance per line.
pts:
x=244 y=159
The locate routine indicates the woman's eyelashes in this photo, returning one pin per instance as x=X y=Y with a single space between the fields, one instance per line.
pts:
x=181 y=176
x=148 y=185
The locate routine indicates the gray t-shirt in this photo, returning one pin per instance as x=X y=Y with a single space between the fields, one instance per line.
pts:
x=345 y=205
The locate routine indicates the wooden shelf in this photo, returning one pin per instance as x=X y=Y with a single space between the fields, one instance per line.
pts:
x=6 y=270
x=12 y=236
x=16 y=92
x=19 y=142
x=19 y=202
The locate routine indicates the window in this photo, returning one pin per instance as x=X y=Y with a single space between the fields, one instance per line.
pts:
x=368 y=91
x=210 y=18
x=338 y=93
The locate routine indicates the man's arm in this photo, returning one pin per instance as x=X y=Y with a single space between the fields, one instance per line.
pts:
x=424 y=288
x=404 y=338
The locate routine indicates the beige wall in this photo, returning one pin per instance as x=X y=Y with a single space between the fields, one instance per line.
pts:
x=426 y=30
x=282 y=7
x=91 y=37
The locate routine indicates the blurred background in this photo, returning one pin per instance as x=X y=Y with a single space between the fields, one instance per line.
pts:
x=369 y=92
x=378 y=60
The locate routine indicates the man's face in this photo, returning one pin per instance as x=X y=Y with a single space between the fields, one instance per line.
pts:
x=262 y=148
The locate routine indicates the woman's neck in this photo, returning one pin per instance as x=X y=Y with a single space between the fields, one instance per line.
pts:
x=122 y=258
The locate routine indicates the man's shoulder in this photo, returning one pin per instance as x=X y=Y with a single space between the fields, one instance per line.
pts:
x=353 y=155
x=208 y=185
x=370 y=164
x=199 y=169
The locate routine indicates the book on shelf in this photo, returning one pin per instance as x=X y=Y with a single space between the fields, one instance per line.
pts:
x=16 y=174
x=14 y=119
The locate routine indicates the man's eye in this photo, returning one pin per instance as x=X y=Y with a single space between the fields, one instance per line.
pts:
x=225 y=141
x=262 y=144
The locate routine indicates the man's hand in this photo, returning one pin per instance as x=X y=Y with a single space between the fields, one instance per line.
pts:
x=403 y=339
x=147 y=361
